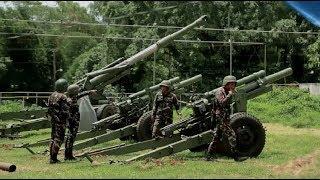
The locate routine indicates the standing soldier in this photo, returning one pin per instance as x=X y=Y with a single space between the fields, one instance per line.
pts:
x=162 y=111
x=74 y=118
x=59 y=112
x=221 y=113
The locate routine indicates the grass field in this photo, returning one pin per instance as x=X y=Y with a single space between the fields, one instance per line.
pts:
x=291 y=151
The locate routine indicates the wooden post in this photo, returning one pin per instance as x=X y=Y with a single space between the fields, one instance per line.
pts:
x=54 y=65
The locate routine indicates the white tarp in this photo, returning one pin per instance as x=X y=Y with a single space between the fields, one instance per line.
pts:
x=313 y=88
x=87 y=114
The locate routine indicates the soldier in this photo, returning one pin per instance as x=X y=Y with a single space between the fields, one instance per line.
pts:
x=73 y=121
x=221 y=113
x=59 y=112
x=162 y=111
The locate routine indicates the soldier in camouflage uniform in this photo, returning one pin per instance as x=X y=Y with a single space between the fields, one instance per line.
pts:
x=74 y=118
x=162 y=111
x=221 y=113
x=59 y=112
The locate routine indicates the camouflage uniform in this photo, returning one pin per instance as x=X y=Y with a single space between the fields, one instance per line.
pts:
x=59 y=112
x=221 y=113
x=163 y=111
x=73 y=123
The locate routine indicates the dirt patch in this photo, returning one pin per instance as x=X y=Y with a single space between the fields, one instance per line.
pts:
x=297 y=166
x=7 y=146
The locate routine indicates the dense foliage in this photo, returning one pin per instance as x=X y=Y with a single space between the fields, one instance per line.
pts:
x=288 y=106
x=32 y=55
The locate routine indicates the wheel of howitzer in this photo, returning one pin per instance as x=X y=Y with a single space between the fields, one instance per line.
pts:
x=106 y=110
x=251 y=135
x=144 y=127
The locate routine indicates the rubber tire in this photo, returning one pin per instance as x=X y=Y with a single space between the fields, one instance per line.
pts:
x=106 y=110
x=236 y=120
x=144 y=127
x=241 y=119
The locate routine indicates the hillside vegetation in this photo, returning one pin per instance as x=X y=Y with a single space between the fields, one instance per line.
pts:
x=288 y=106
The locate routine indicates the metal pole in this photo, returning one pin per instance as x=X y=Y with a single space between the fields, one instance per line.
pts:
x=265 y=58
x=230 y=61
x=230 y=56
x=54 y=65
x=23 y=102
x=36 y=98
x=154 y=68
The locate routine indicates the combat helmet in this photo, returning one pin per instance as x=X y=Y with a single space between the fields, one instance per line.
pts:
x=73 y=90
x=61 y=85
x=165 y=83
x=228 y=79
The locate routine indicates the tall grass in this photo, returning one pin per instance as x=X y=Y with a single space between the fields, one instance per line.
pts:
x=289 y=106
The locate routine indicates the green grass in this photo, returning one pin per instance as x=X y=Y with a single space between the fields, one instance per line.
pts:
x=288 y=106
x=293 y=131
x=15 y=106
x=283 y=144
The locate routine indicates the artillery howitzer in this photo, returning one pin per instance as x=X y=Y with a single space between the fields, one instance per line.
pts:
x=107 y=75
x=23 y=114
x=196 y=132
x=122 y=125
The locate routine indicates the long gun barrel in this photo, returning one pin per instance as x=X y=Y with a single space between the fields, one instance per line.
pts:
x=267 y=80
x=141 y=95
x=34 y=124
x=109 y=73
x=250 y=83
x=152 y=88
x=247 y=79
x=7 y=167
x=187 y=82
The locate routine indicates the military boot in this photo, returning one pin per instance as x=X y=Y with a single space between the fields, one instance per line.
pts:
x=54 y=159
x=68 y=155
x=53 y=156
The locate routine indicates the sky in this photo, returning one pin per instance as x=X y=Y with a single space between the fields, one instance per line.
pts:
x=81 y=3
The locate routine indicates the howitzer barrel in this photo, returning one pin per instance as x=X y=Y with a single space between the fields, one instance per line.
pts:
x=7 y=167
x=251 y=77
x=146 y=52
x=111 y=70
x=105 y=120
x=268 y=79
x=244 y=80
x=161 y=43
x=114 y=63
x=172 y=127
x=152 y=88
x=98 y=72
x=187 y=82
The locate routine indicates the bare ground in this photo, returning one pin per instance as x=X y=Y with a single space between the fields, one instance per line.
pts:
x=298 y=165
